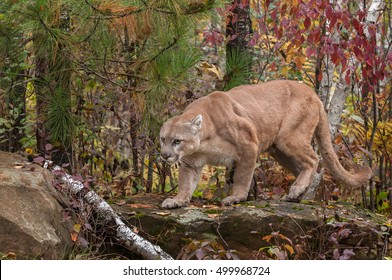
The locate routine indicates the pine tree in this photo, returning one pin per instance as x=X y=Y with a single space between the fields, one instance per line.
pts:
x=90 y=62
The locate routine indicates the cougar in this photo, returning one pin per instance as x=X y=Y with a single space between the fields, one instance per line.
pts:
x=232 y=128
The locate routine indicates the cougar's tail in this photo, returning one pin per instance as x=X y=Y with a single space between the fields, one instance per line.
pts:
x=323 y=138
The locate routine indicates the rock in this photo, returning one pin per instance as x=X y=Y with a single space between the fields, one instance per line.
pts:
x=281 y=229
x=31 y=220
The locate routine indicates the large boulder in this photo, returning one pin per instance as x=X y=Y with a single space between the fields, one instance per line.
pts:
x=260 y=229
x=31 y=219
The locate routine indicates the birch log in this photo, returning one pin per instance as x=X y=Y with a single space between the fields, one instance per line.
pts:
x=126 y=236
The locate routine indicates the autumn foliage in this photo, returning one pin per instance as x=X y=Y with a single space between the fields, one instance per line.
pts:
x=96 y=79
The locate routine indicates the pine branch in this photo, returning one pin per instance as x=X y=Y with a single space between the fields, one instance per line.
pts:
x=169 y=46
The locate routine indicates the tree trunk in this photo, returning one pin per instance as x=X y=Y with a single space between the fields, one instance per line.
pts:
x=150 y=172
x=238 y=26
x=125 y=235
x=334 y=92
x=40 y=84
x=338 y=95
x=238 y=30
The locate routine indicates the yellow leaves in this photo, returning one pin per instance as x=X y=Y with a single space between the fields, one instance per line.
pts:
x=296 y=60
x=268 y=237
x=382 y=140
x=211 y=69
x=75 y=232
x=276 y=235
x=77 y=227
x=295 y=54
x=285 y=71
x=8 y=256
x=283 y=247
x=289 y=248
x=293 y=3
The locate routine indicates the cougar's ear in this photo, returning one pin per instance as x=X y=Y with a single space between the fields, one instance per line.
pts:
x=196 y=123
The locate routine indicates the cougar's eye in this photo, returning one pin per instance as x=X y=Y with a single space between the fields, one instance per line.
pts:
x=176 y=141
x=163 y=139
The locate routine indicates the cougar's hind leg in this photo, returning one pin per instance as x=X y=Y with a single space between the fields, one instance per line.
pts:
x=305 y=161
x=285 y=161
x=294 y=145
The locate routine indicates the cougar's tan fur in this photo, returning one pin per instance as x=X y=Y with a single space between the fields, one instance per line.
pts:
x=232 y=128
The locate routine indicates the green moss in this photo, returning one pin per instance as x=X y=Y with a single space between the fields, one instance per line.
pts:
x=139 y=215
x=109 y=201
x=213 y=211
x=307 y=202
x=296 y=207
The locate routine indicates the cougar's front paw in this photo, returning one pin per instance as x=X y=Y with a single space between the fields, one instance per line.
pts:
x=170 y=203
x=230 y=200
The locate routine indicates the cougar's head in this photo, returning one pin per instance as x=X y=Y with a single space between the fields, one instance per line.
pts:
x=179 y=138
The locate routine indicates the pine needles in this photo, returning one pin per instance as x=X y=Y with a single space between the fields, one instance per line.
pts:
x=238 y=68
x=60 y=120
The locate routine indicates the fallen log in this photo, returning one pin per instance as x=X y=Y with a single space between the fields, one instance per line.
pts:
x=125 y=235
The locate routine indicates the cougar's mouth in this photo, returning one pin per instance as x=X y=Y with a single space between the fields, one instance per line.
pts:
x=169 y=160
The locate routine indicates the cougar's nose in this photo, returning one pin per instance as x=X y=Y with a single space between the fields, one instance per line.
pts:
x=165 y=156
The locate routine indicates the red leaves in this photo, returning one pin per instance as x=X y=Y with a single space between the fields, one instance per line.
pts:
x=389 y=56
x=317 y=29
x=320 y=76
x=369 y=59
x=358 y=52
x=310 y=51
x=358 y=26
x=331 y=16
x=372 y=29
x=267 y=4
x=307 y=22
x=314 y=36
x=335 y=57
x=213 y=37
x=347 y=77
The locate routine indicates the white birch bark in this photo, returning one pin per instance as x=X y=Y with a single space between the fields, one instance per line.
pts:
x=334 y=91
x=129 y=239
x=374 y=11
